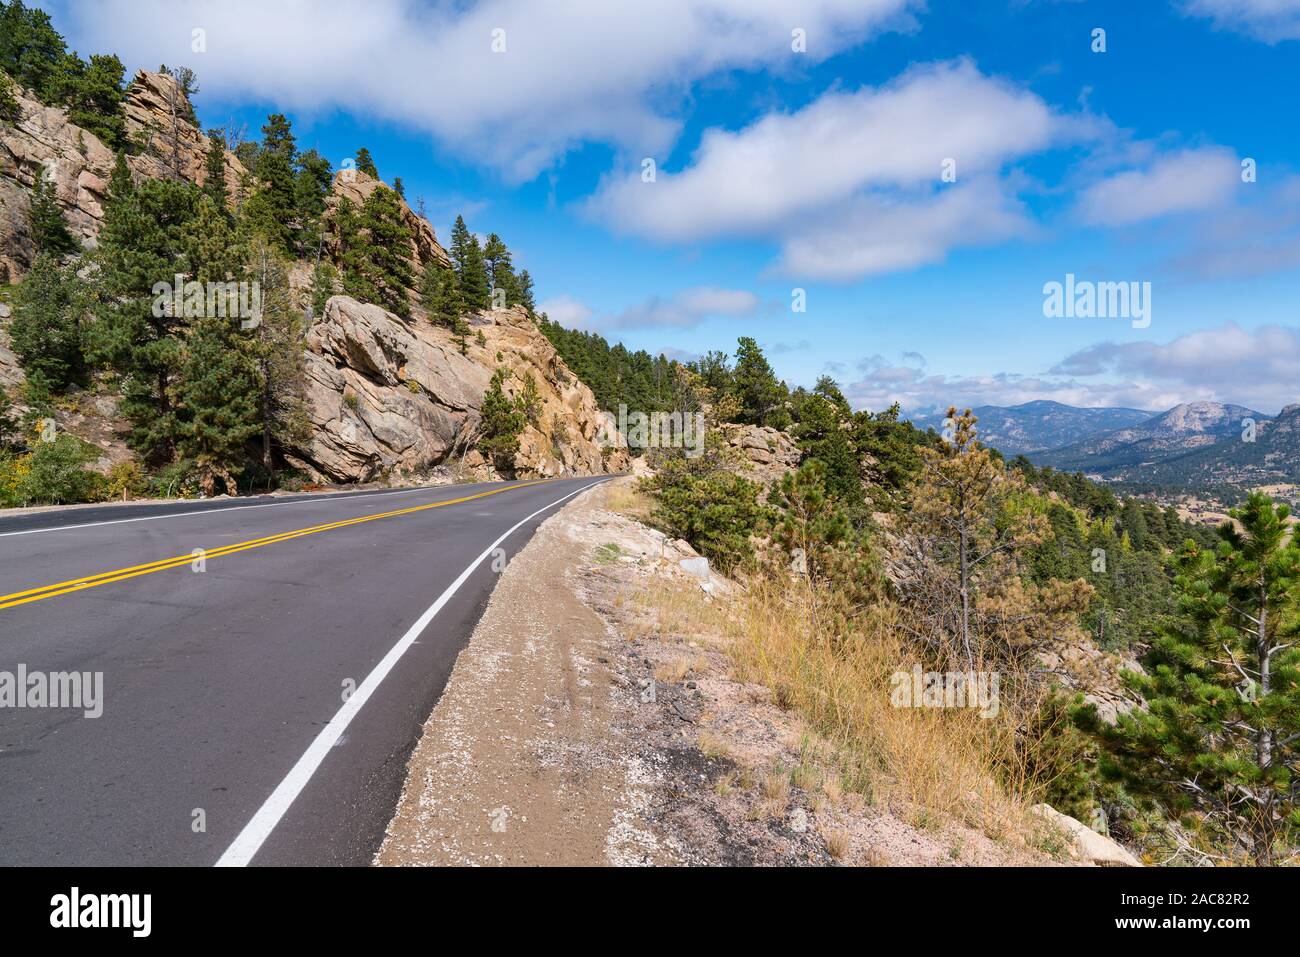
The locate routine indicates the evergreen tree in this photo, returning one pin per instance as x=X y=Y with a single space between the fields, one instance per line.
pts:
x=214 y=169
x=45 y=219
x=9 y=108
x=93 y=95
x=754 y=383
x=823 y=435
x=137 y=333
x=499 y=266
x=218 y=390
x=502 y=421
x=526 y=292
x=471 y=270
x=399 y=187
x=270 y=210
x=47 y=325
x=322 y=286
x=277 y=347
x=1218 y=736
x=366 y=163
x=120 y=182
x=311 y=187
x=31 y=50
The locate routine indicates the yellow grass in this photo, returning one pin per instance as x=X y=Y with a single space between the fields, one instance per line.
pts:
x=925 y=765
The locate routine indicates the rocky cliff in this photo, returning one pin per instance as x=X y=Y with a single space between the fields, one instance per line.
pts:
x=385 y=395
x=42 y=142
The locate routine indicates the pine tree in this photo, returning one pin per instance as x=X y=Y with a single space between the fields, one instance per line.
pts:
x=120 y=182
x=93 y=95
x=502 y=421
x=218 y=390
x=366 y=163
x=322 y=286
x=526 y=292
x=389 y=249
x=499 y=267
x=1219 y=735
x=214 y=169
x=9 y=108
x=754 y=383
x=471 y=270
x=49 y=230
x=399 y=187
x=137 y=333
x=276 y=345
x=311 y=187
x=47 y=325
x=968 y=534
x=270 y=210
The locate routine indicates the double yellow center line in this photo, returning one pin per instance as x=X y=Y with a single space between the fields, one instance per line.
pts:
x=121 y=574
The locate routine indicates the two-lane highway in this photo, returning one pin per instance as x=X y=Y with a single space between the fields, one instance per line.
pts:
x=261 y=696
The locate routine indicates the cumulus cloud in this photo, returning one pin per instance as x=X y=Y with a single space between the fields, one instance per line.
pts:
x=1181 y=182
x=572 y=71
x=1269 y=20
x=681 y=310
x=851 y=184
x=567 y=311
x=1251 y=367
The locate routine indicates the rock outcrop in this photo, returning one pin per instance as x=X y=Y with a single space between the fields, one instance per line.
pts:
x=767 y=453
x=43 y=142
x=385 y=395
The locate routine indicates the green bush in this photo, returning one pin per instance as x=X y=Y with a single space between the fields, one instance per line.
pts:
x=715 y=510
x=56 y=474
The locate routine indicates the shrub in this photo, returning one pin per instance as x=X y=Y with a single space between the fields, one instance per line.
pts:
x=125 y=480
x=715 y=510
x=56 y=474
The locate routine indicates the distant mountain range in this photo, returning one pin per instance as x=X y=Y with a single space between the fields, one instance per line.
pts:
x=1038 y=426
x=1197 y=444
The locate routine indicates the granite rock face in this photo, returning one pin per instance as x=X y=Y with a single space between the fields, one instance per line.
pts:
x=387 y=395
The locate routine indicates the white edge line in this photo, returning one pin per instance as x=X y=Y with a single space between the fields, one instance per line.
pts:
x=256 y=831
x=234 y=508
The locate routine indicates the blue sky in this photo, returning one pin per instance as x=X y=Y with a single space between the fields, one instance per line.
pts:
x=821 y=170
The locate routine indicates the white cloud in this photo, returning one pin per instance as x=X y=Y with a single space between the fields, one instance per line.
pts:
x=1268 y=20
x=851 y=184
x=681 y=310
x=1187 y=181
x=567 y=311
x=877 y=234
x=1207 y=364
x=687 y=308
x=572 y=70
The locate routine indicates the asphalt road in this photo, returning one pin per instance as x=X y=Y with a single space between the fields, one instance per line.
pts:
x=272 y=697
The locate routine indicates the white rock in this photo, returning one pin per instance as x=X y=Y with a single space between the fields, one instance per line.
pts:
x=1088 y=845
x=699 y=567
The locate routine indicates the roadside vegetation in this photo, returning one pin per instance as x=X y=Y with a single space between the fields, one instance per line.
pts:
x=889 y=548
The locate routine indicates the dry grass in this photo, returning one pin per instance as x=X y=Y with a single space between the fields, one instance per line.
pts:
x=837 y=842
x=622 y=497
x=925 y=765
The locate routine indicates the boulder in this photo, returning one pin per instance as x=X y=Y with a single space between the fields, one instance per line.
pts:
x=1086 y=844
